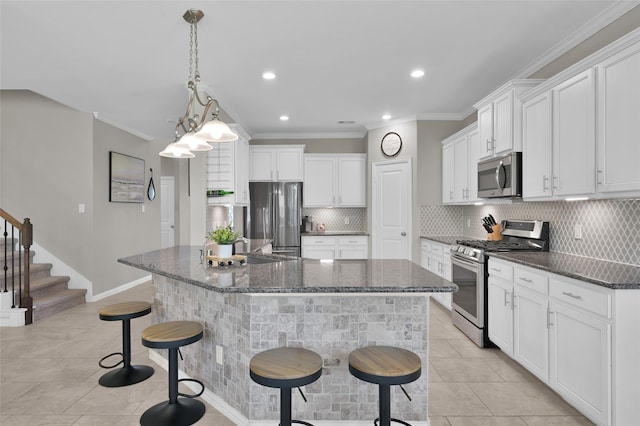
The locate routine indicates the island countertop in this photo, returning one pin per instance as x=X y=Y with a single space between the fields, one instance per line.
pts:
x=291 y=275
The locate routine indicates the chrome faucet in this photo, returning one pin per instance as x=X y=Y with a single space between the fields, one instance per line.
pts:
x=239 y=240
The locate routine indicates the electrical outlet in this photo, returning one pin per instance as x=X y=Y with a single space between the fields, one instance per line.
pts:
x=577 y=232
x=80 y=208
x=219 y=354
x=346 y=220
x=143 y=208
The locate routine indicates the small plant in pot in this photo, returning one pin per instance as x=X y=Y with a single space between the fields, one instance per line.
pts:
x=224 y=237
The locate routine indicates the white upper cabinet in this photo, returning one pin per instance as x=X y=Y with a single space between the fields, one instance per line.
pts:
x=574 y=136
x=460 y=166
x=618 y=115
x=228 y=170
x=536 y=146
x=499 y=119
x=276 y=163
x=334 y=180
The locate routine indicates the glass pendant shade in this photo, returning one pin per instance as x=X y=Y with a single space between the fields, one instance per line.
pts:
x=216 y=131
x=173 y=151
x=191 y=142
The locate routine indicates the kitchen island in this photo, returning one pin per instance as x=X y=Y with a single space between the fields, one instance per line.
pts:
x=330 y=307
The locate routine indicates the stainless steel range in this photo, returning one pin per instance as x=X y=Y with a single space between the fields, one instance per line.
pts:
x=469 y=272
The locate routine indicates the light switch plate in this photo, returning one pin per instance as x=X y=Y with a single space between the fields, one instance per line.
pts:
x=219 y=354
x=577 y=232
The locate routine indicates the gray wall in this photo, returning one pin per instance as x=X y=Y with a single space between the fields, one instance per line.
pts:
x=55 y=158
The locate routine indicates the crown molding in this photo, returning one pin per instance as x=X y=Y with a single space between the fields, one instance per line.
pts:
x=324 y=135
x=612 y=13
x=141 y=135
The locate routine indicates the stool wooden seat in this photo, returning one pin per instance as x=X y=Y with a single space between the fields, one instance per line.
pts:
x=385 y=366
x=286 y=368
x=128 y=374
x=176 y=411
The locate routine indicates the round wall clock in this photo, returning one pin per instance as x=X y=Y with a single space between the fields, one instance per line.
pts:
x=391 y=144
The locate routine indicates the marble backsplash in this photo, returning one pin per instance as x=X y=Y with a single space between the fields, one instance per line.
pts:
x=610 y=228
x=339 y=219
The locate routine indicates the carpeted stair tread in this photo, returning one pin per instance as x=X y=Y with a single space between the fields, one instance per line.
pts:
x=57 y=301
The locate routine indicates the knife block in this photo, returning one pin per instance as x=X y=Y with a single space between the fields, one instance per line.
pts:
x=496 y=235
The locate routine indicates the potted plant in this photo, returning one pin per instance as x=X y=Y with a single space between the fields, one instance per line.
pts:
x=224 y=237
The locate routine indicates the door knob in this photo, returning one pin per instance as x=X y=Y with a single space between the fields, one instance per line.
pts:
x=404 y=234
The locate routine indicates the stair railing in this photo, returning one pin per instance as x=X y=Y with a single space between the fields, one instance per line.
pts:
x=20 y=280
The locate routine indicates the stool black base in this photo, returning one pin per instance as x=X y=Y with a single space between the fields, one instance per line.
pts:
x=126 y=376
x=402 y=422
x=184 y=412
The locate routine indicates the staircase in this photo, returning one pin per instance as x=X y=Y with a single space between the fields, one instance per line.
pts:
x=51 y=294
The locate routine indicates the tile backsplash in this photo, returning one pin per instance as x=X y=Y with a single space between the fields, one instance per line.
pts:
x=610 y=228
x=334 y=219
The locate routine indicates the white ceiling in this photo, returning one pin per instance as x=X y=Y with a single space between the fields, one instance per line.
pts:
x=334 y=60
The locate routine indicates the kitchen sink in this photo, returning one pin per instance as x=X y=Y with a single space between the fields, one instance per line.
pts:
x=258 y=259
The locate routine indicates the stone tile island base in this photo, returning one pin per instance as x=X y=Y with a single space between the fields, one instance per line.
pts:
x=330 y=324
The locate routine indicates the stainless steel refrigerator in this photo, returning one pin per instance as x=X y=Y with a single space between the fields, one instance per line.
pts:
x=275 y=212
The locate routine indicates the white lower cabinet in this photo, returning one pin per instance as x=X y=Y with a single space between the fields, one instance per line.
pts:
x=435 y=257
x=335 y=247
x=581 y=339
x=581 y=361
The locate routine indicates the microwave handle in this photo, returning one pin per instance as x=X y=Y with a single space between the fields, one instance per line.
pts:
x=498 y=170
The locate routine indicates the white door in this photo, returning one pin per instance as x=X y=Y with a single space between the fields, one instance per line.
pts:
x=167 y=219
x=391 y=204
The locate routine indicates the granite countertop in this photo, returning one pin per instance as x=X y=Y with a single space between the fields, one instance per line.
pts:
x=612 y=275
x=444 y=239
x=291 y=275
x=332 y=233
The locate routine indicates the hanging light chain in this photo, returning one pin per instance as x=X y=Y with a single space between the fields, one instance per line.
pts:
x=195 y=32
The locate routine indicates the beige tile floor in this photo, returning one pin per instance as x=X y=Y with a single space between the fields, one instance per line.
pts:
x=49 y=376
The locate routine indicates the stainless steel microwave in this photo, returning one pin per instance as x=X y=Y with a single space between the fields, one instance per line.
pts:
x=500 y=176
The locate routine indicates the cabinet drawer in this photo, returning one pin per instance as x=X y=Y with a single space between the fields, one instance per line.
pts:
x=318 y=241
x=586 y=296
x=500 y=269
x=352 y=241
x=530 y=279
x=436 y=250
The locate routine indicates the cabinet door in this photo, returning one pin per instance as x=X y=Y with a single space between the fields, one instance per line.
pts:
x=351 y=181
x=473 y=140
x=537 y=143
x=262 y=162
x=531 y=335
x=574 y=136
x=290 y=165
x=319 y=181
x=448 y=173
x=580 y=361
x=461 y=171
x=503 y=123
x=485 y=128
x=241 y=165
x=500 y=314
x=618 y=114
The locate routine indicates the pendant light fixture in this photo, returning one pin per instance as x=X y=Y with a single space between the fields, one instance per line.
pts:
x=193 y=132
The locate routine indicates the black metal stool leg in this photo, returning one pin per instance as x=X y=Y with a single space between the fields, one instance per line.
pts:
x=285 y=406
x=385 y=405
x=176 y=411
x=128 y=374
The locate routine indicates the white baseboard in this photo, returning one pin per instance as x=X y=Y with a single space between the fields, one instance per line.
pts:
x=238 y=418
x=12 y=317
x=119 y=289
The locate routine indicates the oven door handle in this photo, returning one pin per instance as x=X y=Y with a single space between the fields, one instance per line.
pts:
x=463 y=262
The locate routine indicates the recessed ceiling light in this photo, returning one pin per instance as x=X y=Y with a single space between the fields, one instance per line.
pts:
x=284 y=117
x=386 y=117
x=346 y=122
x=268 y=75
x=417 y=73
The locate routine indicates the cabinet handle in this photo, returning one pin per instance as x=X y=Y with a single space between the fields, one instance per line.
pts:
x=493 y=144
x=506 y=298
x=600 y=173
x=451 y=194
x=573 y=296
x=513 y=301
x=555 y=182
x=545 y=180
x=526 y=280
x=488 y=145
x=549 y=313
x=496 y=270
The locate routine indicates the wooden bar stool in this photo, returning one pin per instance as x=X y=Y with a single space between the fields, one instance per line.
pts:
x=385 y=366
x=286 y=368
x=128 y=374
x=176 y=411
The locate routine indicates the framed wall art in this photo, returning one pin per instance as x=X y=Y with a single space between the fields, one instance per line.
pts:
x=126 y=178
